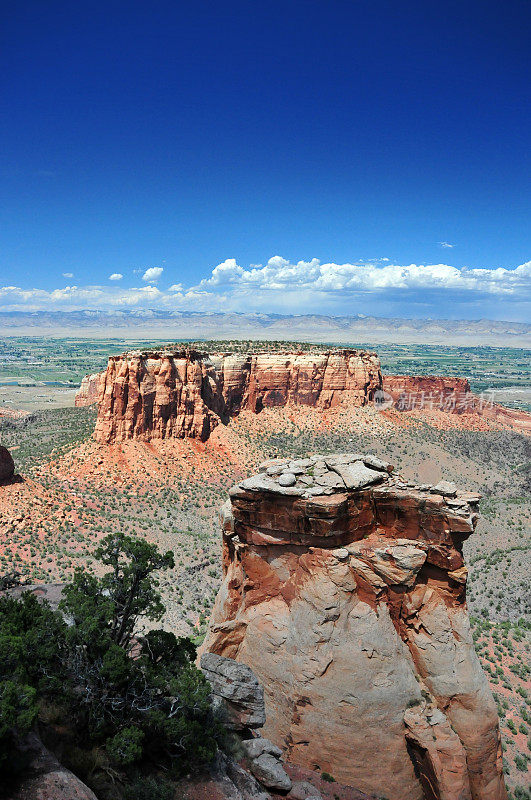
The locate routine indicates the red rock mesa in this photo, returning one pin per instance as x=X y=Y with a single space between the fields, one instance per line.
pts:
x=344 y=591
x=452 y=396
x=187 y=393
x=428 y=391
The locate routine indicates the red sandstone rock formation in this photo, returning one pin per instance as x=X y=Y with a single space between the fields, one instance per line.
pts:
x=186 y=393
x=88 y=392
x=451 y=395
x=428 y=391
x=344 y=591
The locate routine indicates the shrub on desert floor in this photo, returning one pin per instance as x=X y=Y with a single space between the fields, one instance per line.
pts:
x=119 y=699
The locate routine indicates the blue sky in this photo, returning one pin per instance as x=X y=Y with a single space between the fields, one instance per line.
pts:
x=339 y=157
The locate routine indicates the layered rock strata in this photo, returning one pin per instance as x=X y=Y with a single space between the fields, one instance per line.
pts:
x=344 y=592
x=450 y=395
x=187 y=393
x=429 y=391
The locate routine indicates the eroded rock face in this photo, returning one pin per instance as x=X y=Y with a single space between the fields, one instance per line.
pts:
x=429 y=391
x=344 y=591
x=237 y=693
x=450 y=395
x=236 y=688
x=88 y=392
x=187 y=393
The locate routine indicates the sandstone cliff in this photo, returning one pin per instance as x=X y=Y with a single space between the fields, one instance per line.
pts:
x=344 y=591
x=187 y=393
x=428 y=391
x=88 y=392
x=450 y=395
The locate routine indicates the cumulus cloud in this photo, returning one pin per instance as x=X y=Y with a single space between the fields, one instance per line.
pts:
x=67 y=274
x=445 y=244
x=280 y=275
x=152 y=274
x=108 y=298
x=376 y=286
x=116 y=276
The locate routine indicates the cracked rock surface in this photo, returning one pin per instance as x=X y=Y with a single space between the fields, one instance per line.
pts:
x=344 y=591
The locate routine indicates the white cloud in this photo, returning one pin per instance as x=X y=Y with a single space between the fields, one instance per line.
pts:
x=445 y=244
x=116 y=276
x=67 y=274
x=152 y=274
x=80 y=298
x=279 y=275
x=301 y=287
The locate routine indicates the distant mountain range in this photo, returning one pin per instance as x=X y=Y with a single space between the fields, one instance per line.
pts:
x=305 y=327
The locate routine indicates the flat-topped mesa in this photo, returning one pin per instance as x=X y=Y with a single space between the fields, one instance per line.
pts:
x=344 y=591
x=186 y=393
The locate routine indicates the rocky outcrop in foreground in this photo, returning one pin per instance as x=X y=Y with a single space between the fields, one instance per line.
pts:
x=185 y=393
x=344 y=592
x=238 y=693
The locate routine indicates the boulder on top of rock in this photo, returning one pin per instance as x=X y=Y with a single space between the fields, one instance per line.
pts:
x=255 y=747
x=377 y=463
x=446 y=488
x=287 y=479
x=357 y=475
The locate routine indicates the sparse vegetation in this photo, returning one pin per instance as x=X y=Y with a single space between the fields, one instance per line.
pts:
x=169 y=494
